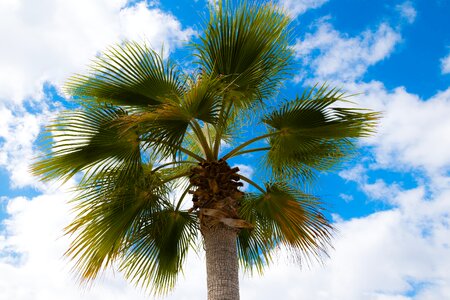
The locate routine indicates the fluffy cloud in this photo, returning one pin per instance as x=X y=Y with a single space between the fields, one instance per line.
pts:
x=32 y=265
x=377 y=190
x=52 y=39
x=413 y=132
x=412 y=137
x=397 y=254
x=34 y=268
x=407 y=11
x=297 y=7
x=386 y=255
x=332 y=55
x=445 y=65
x=18 y=132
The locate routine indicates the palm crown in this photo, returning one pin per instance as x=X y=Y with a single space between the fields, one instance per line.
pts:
x=144 y=128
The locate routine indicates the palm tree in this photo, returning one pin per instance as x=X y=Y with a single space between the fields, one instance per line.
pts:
x=144 y=129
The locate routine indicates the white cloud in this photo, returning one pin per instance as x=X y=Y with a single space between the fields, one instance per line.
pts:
x=413 y=132
x=380 y=190
x=34 y=234
x=381 y=256
x=332 y=55
x=346 y=197
x=18 y=132
x=295 y=8
x=53 y=39
x=32 y=265
x=356 y=173
x=247 y=171
x=445 y=65
x=377 y=189
x=407 y=11
x=50 y=41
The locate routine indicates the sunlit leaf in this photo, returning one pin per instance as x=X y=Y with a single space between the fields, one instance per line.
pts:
x=128 y=74
x=248 y=47
x=313 y=134
x=287 y=216
x=88 y=139
x=157 y=249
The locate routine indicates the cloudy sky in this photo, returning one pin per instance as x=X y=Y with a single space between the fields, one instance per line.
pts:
x=391 y=204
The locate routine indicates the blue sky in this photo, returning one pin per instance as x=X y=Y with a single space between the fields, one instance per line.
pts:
x=391 y=203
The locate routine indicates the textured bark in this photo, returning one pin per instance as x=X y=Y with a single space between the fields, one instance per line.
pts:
x=221 y=263
x=216 y=199
x=216 y=187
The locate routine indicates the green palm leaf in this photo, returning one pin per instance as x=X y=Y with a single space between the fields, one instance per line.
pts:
x=254 y=245
x=283 y=215
x=157 y=249
x=247 y=47
x=133 y=223
x=143 y=129
x=109 y=211
x=310 y=133
x=128 y=74
x=163 y=127
x=89 y=139
x=202 y=101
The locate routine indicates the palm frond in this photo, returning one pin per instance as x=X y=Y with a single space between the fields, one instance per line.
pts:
x=192 y=143
x=161 y=127
x=109 y=211
x=310 y=133
x=143 y=126
x=202 y=101
x=90 y=140
x=157 y=249
x=132 y=223
x=177 y=175
x=254 y=246
x=247 y=47
x=283 y=215
x=128 y=74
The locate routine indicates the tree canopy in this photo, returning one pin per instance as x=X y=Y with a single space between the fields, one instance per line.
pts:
x=145 y=129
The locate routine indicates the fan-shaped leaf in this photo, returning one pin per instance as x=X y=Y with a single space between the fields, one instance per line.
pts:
x=89 y=139
x=109 y=211
x=157 y=249
x=283 y=215
x=247 y=46
x=128 y=74
x=312 y=134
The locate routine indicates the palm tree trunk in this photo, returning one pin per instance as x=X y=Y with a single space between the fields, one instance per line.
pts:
x=222 y=267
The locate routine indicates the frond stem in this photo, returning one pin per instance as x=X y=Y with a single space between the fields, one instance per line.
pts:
x=202 y=139
x=173 y=163
x=222 y=117
x=175 y=177
x=252 y=183
x=252 y=150
x=181 y=149
x=182 y=197
x=241 y=146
